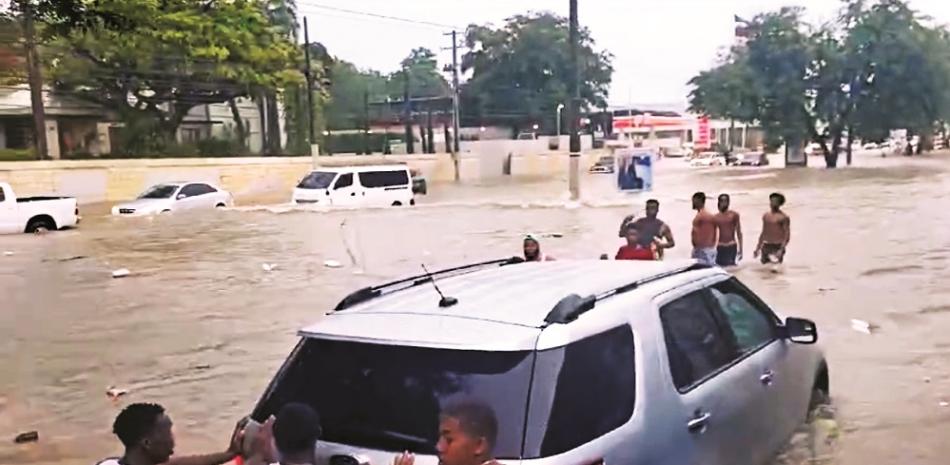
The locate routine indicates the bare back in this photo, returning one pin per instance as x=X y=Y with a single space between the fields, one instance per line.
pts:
x=775 y=228
x=704 y=230
x=728 y=223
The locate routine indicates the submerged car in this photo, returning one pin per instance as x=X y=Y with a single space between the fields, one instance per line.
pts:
x=604 y=165
x=707 y=159
x=175 y=196
x=749 y=159
x=582 y=362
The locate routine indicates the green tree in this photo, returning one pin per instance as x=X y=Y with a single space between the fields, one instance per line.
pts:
x=875 y=69
x=349 y=87
x=170 y=56
x=521 y=72
x=425 y=80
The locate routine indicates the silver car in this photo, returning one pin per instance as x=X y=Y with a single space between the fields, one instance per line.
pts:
x=583 y=362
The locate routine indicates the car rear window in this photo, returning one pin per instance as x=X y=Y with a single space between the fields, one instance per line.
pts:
x=316 y=180
x=392 y=178
x=389 y=397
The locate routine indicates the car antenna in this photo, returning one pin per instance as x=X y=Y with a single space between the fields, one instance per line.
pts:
x=444 y=302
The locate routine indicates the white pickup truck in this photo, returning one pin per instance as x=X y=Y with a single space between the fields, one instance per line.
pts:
x=35 y=214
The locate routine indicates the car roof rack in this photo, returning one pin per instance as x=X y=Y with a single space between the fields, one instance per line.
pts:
x=573 y=306
x=369 y=293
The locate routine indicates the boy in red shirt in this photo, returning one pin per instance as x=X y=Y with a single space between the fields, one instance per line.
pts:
x=634 y=250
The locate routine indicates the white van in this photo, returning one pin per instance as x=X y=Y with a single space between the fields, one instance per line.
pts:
x=356 y=186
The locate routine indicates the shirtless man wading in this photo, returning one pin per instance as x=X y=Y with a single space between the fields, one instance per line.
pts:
x=729 y=251
x=776 y=232
x=705 y=234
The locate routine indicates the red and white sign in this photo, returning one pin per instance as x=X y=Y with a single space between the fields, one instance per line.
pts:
x=702 y=136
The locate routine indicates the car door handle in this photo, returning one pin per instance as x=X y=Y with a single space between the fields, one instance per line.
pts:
x=767 y=377
x=699 y=423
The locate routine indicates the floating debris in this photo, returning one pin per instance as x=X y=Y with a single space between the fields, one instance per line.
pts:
x=114 y=392
x=945 y=404
x=203 y=366
x=862 y=326
x=332 y=264
x=121 y=273
x=7 y=253
x=826 y=289
x=269 y=267
x=29 y=436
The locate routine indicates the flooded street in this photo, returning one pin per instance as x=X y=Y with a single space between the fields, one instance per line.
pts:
x=200 y=327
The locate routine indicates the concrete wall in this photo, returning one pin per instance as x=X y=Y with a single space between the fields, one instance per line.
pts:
x=271 y=178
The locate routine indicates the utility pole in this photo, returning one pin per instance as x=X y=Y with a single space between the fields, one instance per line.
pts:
x=309 y=75
x=574 y=108
x=407 y=113
x=36 y=80
x=366 y=147
x=455 y=105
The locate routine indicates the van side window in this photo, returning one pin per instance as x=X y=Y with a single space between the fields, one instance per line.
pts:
x=371 y=179
x=696 y=344
x=345 y=180
x=599 y=371
x=752 y=326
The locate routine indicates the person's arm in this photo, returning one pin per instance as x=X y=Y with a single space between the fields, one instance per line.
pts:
x=210 y=459
x=623 y=225
x=667 y=234
x=739 y=233
x=788 y=231
x=234 y=449
x=712 y=220
x=758 y=248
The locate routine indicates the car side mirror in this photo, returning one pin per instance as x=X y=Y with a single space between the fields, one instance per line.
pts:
x=800 y=331
x=180 y=196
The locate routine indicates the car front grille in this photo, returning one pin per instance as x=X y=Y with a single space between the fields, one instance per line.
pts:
x=126 y=211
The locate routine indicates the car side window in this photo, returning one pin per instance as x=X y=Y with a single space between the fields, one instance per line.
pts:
x=695 y=342
x=345 y=180
x=192 y=190
x=189 y=190
x=752 y=325
x=205 y=189
x=3 y=196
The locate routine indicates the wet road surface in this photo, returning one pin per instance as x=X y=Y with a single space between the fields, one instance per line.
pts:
x=201 y=328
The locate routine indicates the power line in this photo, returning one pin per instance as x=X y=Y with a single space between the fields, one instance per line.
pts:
x=377 y=15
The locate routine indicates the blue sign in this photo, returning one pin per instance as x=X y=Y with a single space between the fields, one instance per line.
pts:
x=635 y=169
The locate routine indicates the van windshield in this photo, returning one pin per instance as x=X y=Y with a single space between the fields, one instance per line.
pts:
x=317 y=180
x=389 y=397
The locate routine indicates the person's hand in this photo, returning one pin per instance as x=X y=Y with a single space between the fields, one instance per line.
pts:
x=404 y=458
x=262 y=446
x=237 y=437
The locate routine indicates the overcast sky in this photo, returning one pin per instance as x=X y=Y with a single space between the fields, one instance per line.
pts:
x=658 y=45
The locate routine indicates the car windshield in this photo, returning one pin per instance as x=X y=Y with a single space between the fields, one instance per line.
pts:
x=161 y=191
x=317 y=180
x=389 y=397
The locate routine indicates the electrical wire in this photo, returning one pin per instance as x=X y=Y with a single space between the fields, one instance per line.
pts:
x=367 y=14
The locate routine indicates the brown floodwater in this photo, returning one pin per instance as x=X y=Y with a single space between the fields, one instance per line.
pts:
x=200 y=327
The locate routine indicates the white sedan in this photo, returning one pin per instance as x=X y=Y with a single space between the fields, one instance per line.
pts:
x=175 y=196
